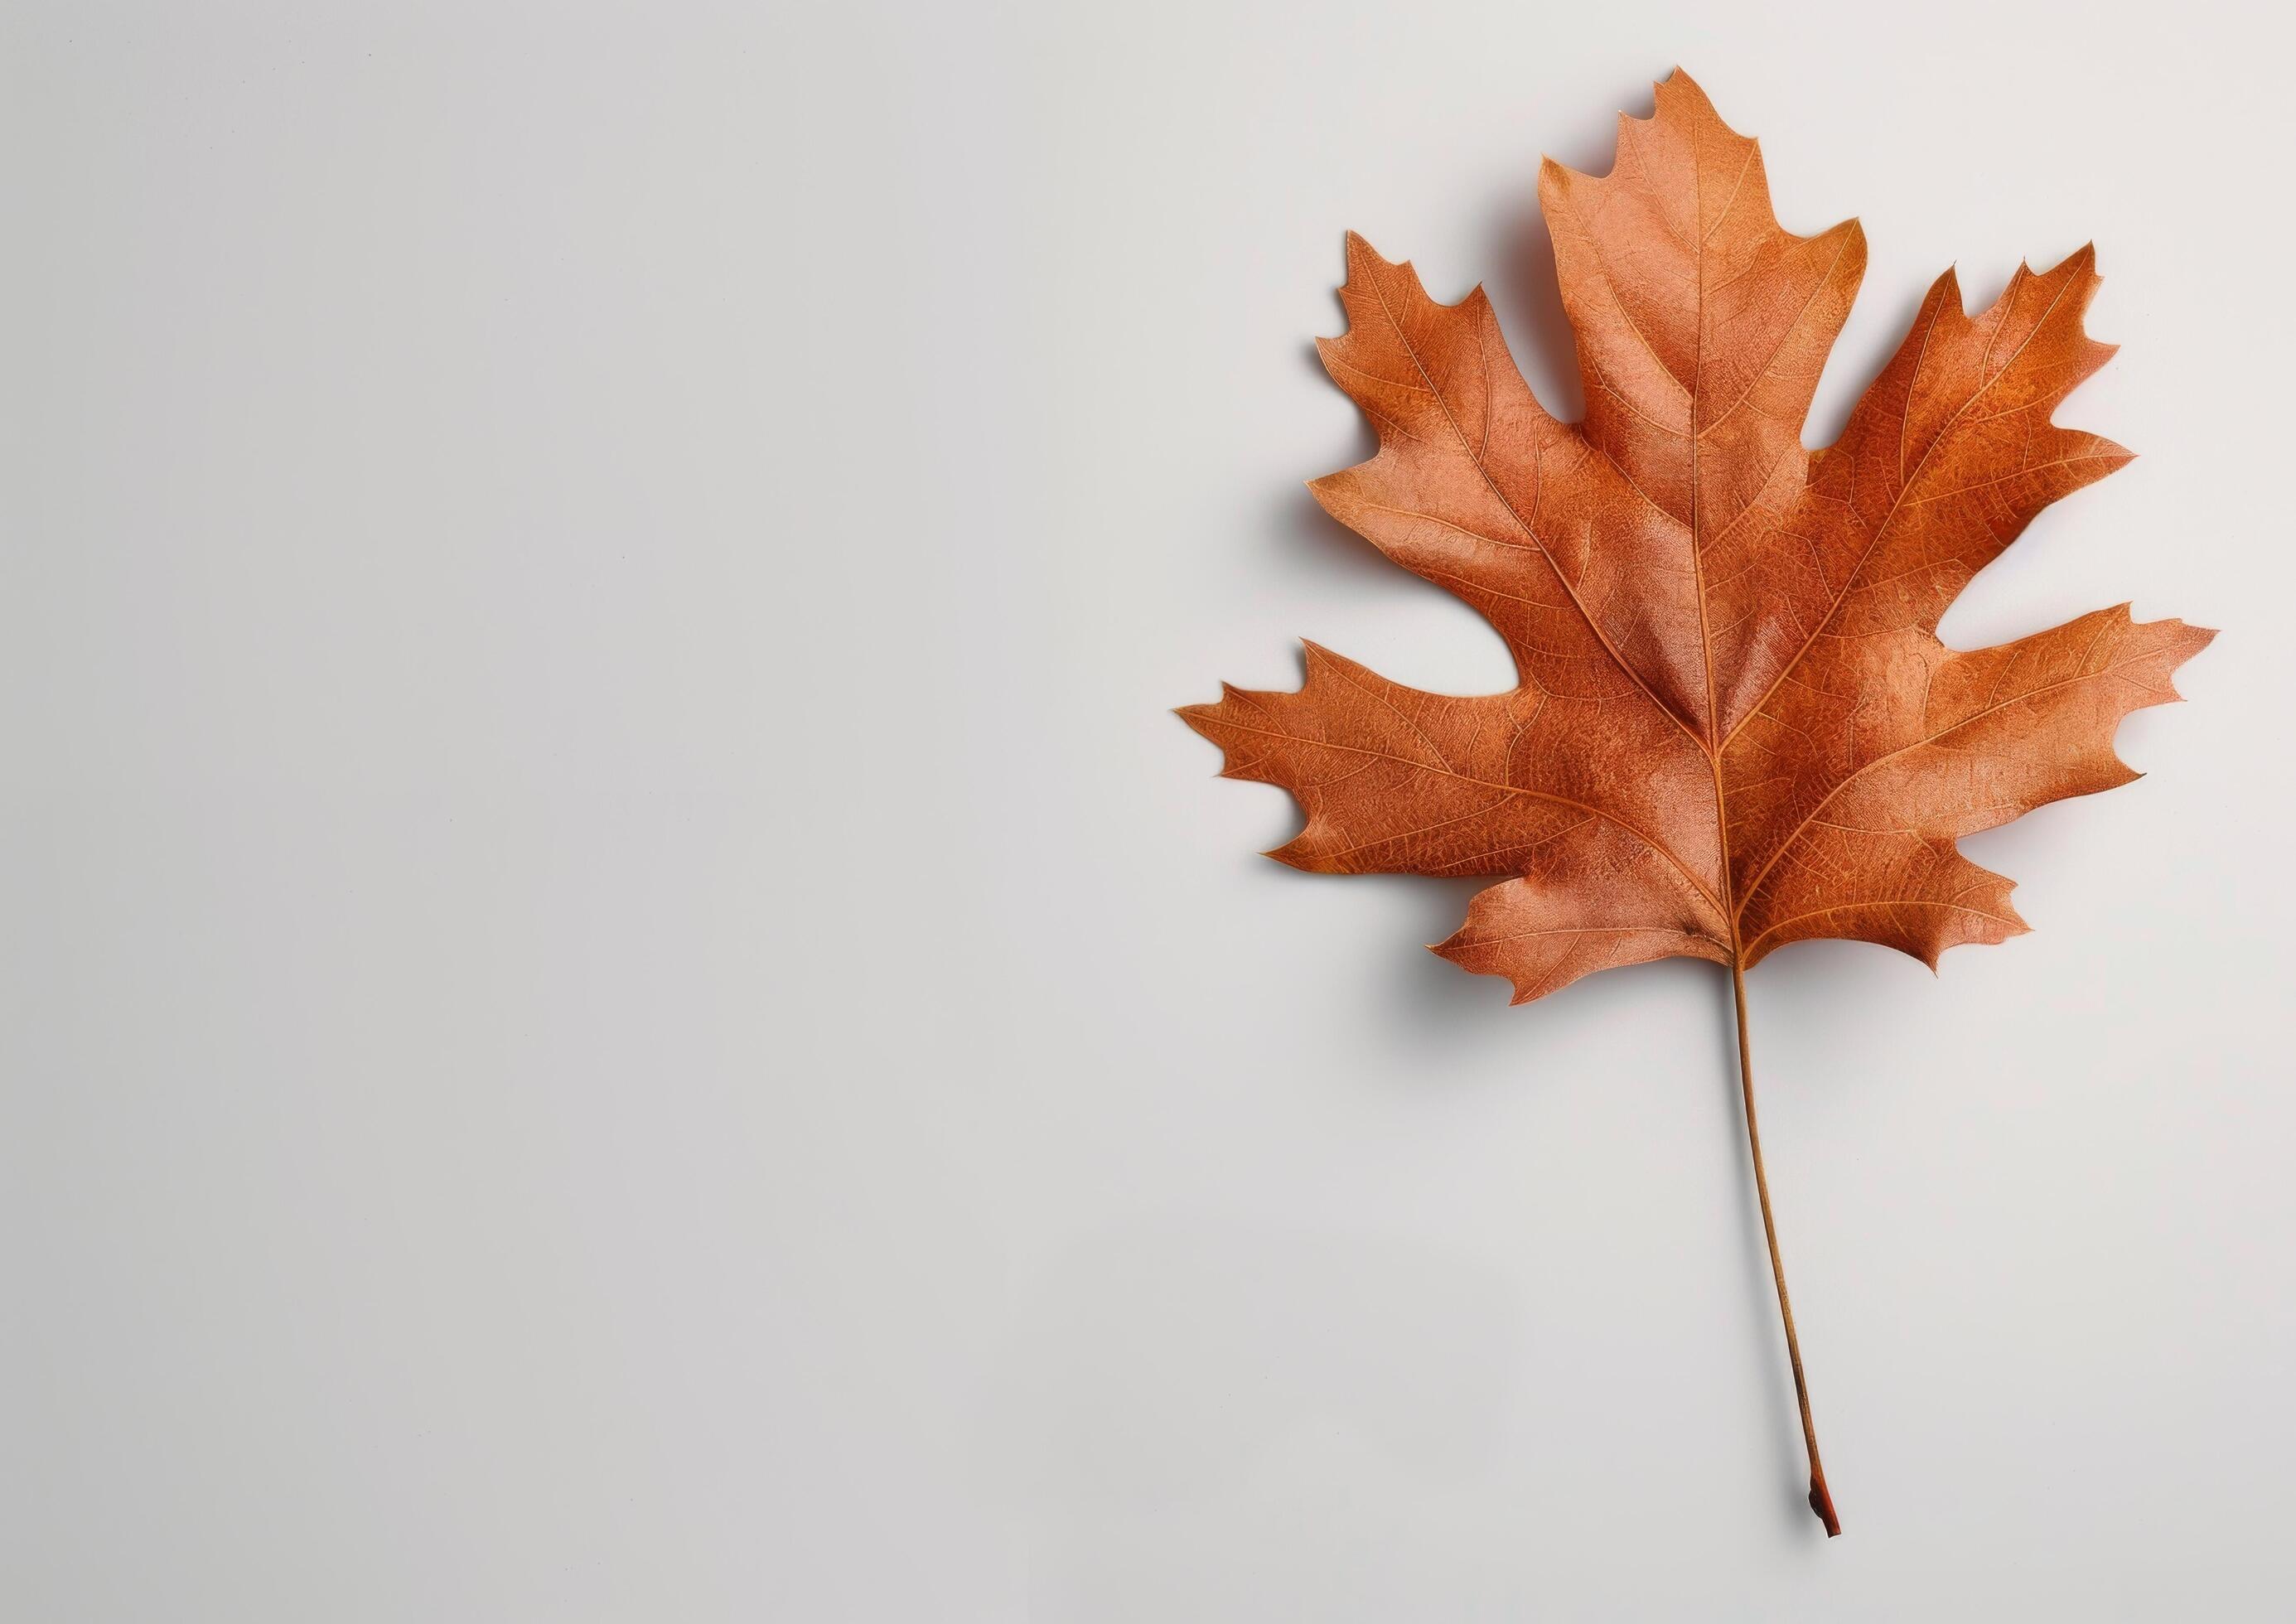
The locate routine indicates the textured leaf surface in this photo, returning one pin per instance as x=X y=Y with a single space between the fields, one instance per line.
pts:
x=1735 y=726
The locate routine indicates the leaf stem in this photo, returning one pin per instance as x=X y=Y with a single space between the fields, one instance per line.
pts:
x=1820 y=1501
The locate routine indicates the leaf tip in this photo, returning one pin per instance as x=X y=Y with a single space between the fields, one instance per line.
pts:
x=1677 y=78
x=1946 y=295
x=1290 y=855
x=1363 y=259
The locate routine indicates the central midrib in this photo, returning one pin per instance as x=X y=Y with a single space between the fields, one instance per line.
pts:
x=1710 y=743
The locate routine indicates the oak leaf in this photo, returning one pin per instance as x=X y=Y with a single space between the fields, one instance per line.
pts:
x=1735 y=726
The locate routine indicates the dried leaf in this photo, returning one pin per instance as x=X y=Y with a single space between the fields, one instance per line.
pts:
x=1735 y=727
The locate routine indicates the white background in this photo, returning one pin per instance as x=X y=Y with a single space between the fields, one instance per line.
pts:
x=621 y=1002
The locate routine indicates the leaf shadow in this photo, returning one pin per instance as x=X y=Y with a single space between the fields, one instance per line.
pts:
x=1528 y=298
x=1307 y=534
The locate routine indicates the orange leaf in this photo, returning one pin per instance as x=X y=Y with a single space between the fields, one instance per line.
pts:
x=1735 y=726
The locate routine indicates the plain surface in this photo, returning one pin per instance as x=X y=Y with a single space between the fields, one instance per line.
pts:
x=621 y=1002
